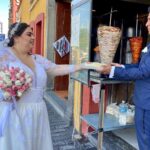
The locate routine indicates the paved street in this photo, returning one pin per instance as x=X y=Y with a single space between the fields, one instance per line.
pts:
x=62 y=133
x=62 y=136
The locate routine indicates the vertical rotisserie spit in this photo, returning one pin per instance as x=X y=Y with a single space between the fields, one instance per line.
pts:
x=108 y=40
x=136 y=47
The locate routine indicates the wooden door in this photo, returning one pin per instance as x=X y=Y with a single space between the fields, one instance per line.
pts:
x=63 y=23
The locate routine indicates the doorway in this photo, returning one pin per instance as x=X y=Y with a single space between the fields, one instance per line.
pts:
x=63 y=23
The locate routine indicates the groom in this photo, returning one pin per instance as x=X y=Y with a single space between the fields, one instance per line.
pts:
x=141 y=74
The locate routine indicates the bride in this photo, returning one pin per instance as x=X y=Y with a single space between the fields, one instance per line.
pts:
x=28 y=127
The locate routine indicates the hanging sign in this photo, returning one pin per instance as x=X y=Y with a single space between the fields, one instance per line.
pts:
x=62 y=46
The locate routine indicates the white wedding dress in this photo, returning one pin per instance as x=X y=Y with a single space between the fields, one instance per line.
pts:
x=28 y=127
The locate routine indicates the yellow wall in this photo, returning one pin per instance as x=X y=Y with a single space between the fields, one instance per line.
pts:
x=77 y=106
x=24 y=11
x=27 y=15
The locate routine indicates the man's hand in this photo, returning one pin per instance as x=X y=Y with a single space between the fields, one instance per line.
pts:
x=105 y=69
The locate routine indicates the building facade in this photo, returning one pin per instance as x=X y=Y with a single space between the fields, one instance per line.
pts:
x=50 y=20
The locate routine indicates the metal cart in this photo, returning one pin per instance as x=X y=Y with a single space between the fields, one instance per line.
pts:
x=101 y=121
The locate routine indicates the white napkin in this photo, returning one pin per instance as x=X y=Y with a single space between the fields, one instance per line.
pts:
x=95 y=90
x=145 y=50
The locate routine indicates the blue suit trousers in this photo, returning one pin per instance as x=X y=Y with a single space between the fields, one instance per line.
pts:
x=142 y=124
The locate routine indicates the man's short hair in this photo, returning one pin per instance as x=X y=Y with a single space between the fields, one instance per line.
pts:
x=149 y=9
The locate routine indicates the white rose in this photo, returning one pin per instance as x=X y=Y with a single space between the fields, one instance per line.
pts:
x=17 y=82
x=2 y=74
x=27 y=76
x=18 y=75
x=28 y=80
x=1 y=82
x=7 y=73
x=21 y=71
x=8 y=83
x=6 y=95
x=19 y=94
x=6 y=79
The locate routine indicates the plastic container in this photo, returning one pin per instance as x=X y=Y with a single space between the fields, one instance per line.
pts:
x=123 y=108
x=130 y=116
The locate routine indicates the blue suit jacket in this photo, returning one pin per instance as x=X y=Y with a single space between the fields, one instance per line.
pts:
x=141 y=74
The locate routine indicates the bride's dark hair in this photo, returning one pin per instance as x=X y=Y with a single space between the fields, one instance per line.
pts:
x=16 y=29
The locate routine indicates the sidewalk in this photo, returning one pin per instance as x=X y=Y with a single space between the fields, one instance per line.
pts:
x=62 y=135
x=62 y=132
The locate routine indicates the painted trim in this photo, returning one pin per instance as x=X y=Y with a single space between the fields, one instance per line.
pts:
x=32 y=25
x=40 y=19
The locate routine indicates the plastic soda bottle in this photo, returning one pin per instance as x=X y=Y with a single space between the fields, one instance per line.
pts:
x=123 y=113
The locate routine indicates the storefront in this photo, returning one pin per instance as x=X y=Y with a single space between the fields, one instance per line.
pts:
x=87 y=16
x=50 y=21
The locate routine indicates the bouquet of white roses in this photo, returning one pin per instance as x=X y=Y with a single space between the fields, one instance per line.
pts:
x=14 y=82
